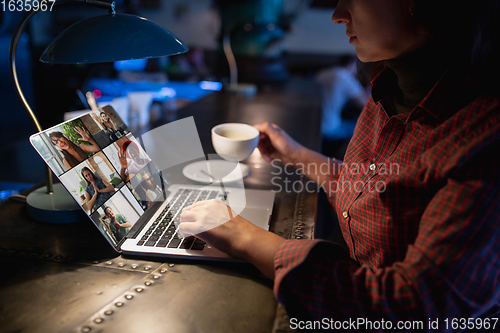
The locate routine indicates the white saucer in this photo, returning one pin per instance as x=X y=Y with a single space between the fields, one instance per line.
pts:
x=219 y=169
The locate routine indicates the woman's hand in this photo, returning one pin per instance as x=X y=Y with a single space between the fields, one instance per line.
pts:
x=275 y=144
x=93 y=147
x=215 y=222
x=122 y=157
x=208 y=218
x=84 y=135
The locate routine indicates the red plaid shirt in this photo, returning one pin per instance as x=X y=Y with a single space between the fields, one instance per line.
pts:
x=418 y=201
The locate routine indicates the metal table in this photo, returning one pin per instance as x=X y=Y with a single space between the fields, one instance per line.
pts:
x=66 y=278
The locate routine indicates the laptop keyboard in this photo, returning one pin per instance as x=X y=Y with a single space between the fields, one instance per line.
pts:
x=163 y=231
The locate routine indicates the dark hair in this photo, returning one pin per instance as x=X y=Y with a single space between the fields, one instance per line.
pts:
x=72 y=161
x=87 y=169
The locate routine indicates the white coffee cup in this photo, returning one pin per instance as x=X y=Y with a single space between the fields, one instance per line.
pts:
x=234 y=141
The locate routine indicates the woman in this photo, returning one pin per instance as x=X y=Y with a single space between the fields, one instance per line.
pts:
x=73 y=154
x=110 y=127
x=425 y=245
x=98 y=190
x=131 y=161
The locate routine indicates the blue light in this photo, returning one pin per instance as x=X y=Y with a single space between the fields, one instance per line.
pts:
x=167 y=92
x=210 y=85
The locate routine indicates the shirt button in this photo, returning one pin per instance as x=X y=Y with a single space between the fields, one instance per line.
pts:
x=344 y=214
x=373 y=166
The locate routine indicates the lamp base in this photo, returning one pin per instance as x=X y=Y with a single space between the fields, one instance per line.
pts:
x=58 y=207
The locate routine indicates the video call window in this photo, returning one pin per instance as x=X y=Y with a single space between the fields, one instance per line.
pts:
x=65 y=146
x=105 y=126
x=92 y=182
x=148 y=186
x=127 y=156
x=117 y=215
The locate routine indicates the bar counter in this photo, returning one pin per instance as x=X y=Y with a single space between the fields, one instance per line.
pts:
x=66 y=278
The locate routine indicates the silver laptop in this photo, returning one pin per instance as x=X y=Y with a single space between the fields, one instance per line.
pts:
x=118 y=185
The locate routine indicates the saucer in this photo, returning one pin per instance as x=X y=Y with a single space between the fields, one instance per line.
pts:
x=219 y=169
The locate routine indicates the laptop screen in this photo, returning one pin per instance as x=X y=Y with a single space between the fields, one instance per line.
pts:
x=104 y=168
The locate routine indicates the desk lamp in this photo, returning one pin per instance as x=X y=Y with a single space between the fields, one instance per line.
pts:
x=105 y=38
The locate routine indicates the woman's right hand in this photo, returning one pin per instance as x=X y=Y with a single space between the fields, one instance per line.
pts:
x=123 y=159
x=276 y=144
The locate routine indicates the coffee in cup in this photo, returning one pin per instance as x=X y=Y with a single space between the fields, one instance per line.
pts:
x=234 y=141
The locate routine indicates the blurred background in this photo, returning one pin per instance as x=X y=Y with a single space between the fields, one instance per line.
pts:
x=272 y=40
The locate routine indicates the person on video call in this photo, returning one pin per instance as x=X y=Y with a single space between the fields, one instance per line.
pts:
x=109 y=126
x=131 y=161
x=426 y=244
x=148 y=189
x=98 y=190
x=117 y=223
x=74 y=154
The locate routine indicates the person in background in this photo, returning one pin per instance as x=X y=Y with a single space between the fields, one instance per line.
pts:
x=341 y=92
x=424 y=243
x=117 y=223
x=73 y=154
x=98 y=190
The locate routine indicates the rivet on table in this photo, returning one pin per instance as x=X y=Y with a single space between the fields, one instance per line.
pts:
x=147 y=268
x=170 y=265
x=148 y=283
x=47 y=256
x=95 y=262
x=139 y=289
x=108 y=312
x=134 y=266
x=98 y=320
x=121 y=264
x=156 y=276
x=119 y=304
x=129 y=297
x=85 y=329
x=109 y=263
x=58 y=257
x=163 y=270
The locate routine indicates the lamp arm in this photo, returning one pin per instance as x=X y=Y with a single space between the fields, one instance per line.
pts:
x=13 y=70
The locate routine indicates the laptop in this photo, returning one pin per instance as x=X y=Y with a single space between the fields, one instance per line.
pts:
x=119 y=186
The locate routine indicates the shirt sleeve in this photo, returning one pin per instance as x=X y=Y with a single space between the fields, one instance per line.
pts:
x=452 y=270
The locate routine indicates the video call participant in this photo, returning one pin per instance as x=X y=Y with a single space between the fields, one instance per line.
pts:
x=148 y=189
x=73 y=154
x=118 y=223
x=98 y=190
x=131 y=161
x=110 y=126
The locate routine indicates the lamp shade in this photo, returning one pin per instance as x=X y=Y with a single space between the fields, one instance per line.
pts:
x=112 y=37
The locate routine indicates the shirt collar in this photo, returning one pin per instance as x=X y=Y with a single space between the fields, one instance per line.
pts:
x=452 y=91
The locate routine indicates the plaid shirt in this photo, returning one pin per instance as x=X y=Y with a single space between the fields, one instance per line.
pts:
x=418 y=201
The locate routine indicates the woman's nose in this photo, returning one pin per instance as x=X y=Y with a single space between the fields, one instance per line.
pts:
x=341 y=15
